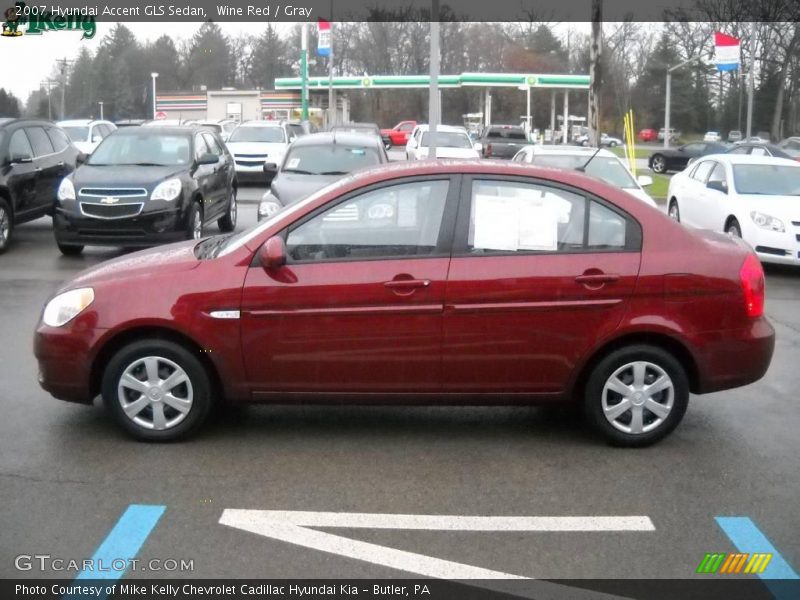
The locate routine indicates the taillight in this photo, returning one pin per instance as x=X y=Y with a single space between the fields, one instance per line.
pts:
x=751 y=277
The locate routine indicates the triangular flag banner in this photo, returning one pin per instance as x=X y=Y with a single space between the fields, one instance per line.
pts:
x=727 y=52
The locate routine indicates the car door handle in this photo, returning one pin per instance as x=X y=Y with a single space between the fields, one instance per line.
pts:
x=407 y=284
x=597 y=278
x=60 y=163
x=38 y=169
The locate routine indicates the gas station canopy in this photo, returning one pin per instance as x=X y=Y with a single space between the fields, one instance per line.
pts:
x=515 y=80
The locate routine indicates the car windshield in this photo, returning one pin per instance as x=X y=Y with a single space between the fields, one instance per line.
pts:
x=145 y=147
x=607 y=168
x=77 y=134
x=447 y=139
x=258 y=134
x=767 y=180
x=333 y=159
x=357 y=129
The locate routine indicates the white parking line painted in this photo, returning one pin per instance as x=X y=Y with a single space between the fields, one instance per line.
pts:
x=293 y=527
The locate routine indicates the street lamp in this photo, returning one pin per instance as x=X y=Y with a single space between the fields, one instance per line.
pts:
x=101 y=109
x=669 y=93
x=154 y=75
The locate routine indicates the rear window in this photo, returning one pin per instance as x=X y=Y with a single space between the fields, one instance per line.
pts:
x=258 y=134
x=507 y=133
x=335 y=159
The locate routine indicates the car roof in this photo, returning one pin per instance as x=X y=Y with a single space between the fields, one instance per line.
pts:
x=80 y=122
x=262 y=124
x=572 y=151
x=749 y=159
x=5 y=122
x=346 y=138
x=165 y=130
x=443 y=128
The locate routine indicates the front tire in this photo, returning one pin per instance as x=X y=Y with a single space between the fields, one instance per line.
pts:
x=658 y=164
x=157 y=390
x=674 y=211
x=733 y=228
x=636 y=395
x=6 y=225
x=194 y=222
x=227 y=222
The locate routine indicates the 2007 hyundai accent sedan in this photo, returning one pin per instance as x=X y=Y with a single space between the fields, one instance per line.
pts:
x=438 y=282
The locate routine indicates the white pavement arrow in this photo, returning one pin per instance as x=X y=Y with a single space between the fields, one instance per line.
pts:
x=293 y=527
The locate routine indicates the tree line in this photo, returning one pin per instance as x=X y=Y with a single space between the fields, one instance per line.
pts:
x=635 y=57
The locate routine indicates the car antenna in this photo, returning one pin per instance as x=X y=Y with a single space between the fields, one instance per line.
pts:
x=582 y=168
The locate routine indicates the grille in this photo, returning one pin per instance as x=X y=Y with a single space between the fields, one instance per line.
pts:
x=111 y=211
x=775 y=251
x=111 y=233
x=115 y=192
x=251 y=156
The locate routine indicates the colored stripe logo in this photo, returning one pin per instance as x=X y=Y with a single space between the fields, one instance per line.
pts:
x=732 y=563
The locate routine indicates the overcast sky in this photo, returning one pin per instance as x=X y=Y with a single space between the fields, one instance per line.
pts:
x=32 y=57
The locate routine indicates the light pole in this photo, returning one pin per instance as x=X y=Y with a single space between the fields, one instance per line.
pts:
x=434 y=110
x=101 y=109
x=304 y=72
x=154 y=76
x=669 y=94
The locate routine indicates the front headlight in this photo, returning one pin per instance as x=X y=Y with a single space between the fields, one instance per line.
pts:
x=65 y=307
x=66 y=191
x=167 y=190
x=767 y=221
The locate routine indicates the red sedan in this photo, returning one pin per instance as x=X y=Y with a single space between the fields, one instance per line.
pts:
x=648 y=135
x=448 y=282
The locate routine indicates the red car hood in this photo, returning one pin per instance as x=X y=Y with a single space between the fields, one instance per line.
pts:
x=172 y=258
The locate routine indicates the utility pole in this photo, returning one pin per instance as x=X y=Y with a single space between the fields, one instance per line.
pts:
x=751 y=80
x=64 y=65
x=331 y=96
x=433 y=97
x=304 y=72
x=595 y=50
x=49 y=83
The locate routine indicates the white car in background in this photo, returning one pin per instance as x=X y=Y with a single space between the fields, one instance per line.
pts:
x=604 y=165
x=712 y=136
x=605 y=140
x=255 y=143
x=451 y=142
x=756 y=198
x=86 y=134
x=222 y=127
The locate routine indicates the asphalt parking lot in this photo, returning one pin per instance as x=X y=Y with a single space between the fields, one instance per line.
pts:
x=67 y=473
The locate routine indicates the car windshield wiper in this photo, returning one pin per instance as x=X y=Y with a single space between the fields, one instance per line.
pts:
x=143 y=164
x=300 y=171
x=333 y=173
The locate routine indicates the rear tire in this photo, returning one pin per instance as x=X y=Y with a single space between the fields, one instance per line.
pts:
x=136 y=391
x=637 y=395
x=227 y=222
x=69 y=249
x=658 y=164
x=6 y=225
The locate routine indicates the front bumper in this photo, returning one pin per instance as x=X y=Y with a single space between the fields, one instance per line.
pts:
x=64 y=361
x=149 y=228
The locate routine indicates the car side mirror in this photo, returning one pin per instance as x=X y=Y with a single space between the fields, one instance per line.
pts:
x=81 y=158
x=96 y=138
x=208 y=159
x=477 y=146
x=272 y=253
x=270 y=168
x=718 y=186
x=644 y=180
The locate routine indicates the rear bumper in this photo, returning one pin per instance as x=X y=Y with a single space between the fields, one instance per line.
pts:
x=145 y=229
x=729 y=359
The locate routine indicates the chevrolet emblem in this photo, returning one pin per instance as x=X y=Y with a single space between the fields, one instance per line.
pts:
x=109 y=200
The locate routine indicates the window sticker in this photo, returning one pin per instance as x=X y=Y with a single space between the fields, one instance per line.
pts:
x=496 y=224
x=517 y=223
x=293 y=163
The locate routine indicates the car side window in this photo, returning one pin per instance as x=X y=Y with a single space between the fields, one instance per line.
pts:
x=19 y=146
x=200 y=146
x=702 y=171
x=212 y=144
x=508 y=216
x=395 y=221
x=718 y=174
x=58 y=138
x=406 y=127
x=39 y=140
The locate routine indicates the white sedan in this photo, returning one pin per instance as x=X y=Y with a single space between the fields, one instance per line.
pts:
x=451 y=142
x=756 y=198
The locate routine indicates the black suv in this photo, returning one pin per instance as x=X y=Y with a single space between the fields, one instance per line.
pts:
x=34 y=157
x=144 y=186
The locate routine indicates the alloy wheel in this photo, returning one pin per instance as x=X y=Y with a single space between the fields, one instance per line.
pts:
x=5 y=225
x=659 y=164
x=674 y=212
x=197 y=226
x=638 y=397
x=234 y=209
x=155 y=393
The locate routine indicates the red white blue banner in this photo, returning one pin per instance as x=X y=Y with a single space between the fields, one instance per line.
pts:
x=726 y=52
x=323 y=37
